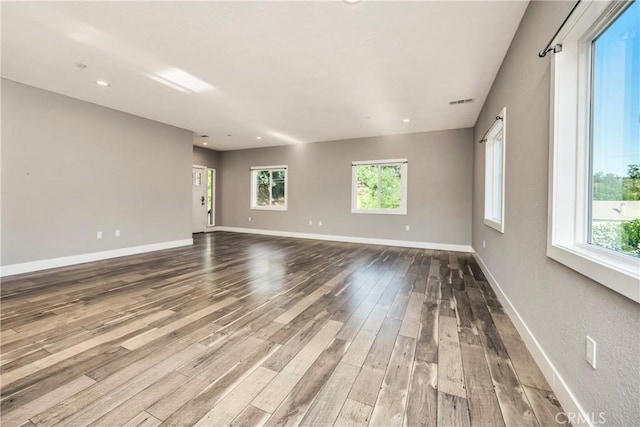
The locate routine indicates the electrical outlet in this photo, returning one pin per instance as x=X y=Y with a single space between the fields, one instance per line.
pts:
x=591 y=352
x=310 y=222
x=407 y=228
x=484 y=244
x=117 y=233
x=99 y=235
x=249 y=219
x=320 y=223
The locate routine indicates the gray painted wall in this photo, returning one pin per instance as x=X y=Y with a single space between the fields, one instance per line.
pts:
x=71 y=168
x=206 y=157
x=559 y=305
x=211 y=159
x=439 y=187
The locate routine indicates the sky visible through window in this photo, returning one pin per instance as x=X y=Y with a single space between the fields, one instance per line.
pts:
x=616 y=91
x=615 y=184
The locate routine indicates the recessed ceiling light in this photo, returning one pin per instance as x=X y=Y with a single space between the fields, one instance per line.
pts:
x=102 y=83
x=258 y=137
x=351 y=1
x=204 y=143
x=406 y=120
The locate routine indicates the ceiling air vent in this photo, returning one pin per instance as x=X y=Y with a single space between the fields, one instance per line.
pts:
x=461 y=101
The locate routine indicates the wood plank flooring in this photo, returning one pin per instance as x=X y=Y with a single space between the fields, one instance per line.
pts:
x=248 y=330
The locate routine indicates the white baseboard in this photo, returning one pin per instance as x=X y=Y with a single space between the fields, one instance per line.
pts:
x=351 y=239
x=560 y=388
x=27 y=267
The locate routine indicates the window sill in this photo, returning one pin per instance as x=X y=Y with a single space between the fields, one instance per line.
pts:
x=380 y=211
x=618 y=272
x=498 y=226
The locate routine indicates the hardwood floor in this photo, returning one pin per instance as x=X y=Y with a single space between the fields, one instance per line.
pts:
x=249 y=330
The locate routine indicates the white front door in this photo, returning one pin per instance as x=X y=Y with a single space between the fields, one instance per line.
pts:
x=198 y=199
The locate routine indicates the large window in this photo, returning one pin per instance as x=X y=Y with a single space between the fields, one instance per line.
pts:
x=269 y=188
x=379 y=186
x=594 y=226
x=494 y=174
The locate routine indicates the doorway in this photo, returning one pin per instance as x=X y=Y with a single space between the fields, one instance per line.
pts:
x=198 y=198
x=203 y=198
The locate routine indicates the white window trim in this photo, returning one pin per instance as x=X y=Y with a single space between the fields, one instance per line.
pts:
x=402 y=210
x=254 y=170
x=500 y=126
x=569 y=156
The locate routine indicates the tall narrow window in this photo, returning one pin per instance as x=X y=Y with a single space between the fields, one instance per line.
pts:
x=211 y=182
x=494 y=174
x=615 y=136
x=269 y=188
x=379 y=187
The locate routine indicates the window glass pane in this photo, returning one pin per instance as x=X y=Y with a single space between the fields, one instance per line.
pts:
x=367 y=186
x=196 y=178
x=390 y=186
x=497 y=178
x=277 y=188
x=615 y=116
x=262 y=188
x=494 y=173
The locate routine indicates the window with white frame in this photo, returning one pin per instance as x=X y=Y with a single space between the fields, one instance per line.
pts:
x=594 y=222
x=269 y=188
x=379 y=187
x=494 y=156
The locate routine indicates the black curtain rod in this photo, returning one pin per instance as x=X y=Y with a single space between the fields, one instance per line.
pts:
x=557 y=48
x=484 y=137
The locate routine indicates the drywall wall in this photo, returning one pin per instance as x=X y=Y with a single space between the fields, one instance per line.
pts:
x=206 y=157
x=319 y=187
x=71 y=168
x=560 y=306
x=211 y=159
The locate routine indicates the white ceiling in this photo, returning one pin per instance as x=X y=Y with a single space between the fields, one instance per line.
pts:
x=289 y=72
